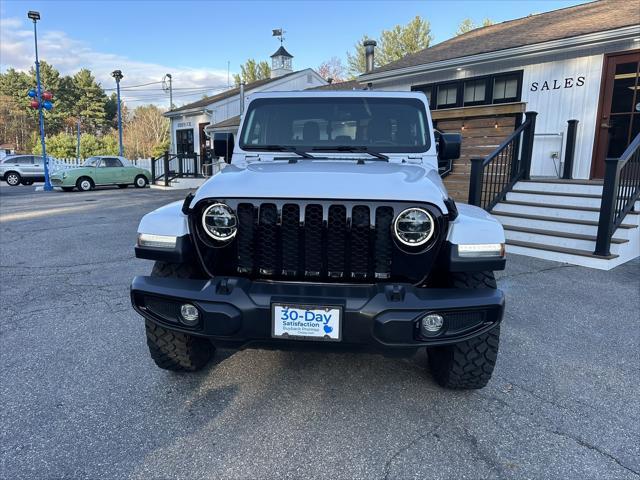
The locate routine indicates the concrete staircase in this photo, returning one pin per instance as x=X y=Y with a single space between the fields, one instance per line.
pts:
x=558 y=220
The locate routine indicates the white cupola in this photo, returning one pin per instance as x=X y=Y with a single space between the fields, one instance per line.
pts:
x=281 y=63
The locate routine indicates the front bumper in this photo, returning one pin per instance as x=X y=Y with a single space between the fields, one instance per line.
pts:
x=236 y=312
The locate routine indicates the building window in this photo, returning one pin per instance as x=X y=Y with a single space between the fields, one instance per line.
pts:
x=475 y=92
x=447 y=95
x=505 y=88
x=486 y=90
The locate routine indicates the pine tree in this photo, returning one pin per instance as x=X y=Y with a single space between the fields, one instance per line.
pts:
x=90 y=101
x=252 y=71
x=467 y=25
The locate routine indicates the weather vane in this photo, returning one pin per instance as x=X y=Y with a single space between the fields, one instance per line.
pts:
x=279 y=32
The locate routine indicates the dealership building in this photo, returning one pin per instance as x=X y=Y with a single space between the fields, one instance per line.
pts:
x=578 y=68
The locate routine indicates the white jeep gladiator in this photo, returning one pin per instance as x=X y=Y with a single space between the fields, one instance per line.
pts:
x=331 y=228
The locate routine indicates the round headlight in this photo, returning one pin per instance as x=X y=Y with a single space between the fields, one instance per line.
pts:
x=413 y=227
x=220 y=222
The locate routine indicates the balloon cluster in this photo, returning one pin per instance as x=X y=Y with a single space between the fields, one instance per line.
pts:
x=47 y=98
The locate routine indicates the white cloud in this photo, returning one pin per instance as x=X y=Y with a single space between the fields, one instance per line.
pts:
x=69 y=55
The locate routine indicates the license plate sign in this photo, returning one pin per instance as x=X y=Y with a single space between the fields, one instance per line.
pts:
x=305 y=322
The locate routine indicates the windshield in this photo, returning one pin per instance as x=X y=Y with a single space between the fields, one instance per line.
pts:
x=324 y=123
x=91 y=162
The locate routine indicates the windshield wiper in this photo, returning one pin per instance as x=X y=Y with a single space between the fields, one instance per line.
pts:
x=279 y=148
x=349 y=148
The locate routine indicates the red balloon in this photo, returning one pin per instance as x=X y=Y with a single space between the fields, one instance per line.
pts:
x=34 y=104
x=47 y=95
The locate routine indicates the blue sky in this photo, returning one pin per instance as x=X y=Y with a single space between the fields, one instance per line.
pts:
x=194 y=39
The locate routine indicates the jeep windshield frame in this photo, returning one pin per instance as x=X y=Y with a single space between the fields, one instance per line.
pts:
x=337 y=124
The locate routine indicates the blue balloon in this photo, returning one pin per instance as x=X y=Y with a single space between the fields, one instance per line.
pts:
x=32 y=93
x=47 y=105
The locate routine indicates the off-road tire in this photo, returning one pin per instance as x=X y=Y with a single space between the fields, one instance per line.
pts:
x=468 y=364
x=174 y=350
x=81 y=185
x=12 y=178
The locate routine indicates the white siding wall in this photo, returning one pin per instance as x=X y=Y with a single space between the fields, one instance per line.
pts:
x=184 y=123
x=556 y=106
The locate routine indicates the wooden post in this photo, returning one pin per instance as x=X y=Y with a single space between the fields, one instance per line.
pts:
x=567 y=170
x=475 y=181
x=607 y=207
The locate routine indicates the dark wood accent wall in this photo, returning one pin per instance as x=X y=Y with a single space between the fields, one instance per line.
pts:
x=483 y=129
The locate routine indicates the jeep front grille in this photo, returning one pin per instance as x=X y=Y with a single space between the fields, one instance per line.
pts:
x=316 y=241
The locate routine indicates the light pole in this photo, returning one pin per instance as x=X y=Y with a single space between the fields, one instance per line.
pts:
x=168 y=75
x=78 y=143
x=35 y=16
x=117 y=74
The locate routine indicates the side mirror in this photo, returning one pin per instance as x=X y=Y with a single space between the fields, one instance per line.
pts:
x=449 y=146
x=223 y=146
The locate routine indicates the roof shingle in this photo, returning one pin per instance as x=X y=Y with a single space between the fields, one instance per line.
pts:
x=567 y=22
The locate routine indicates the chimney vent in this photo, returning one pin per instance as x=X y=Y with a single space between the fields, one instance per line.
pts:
x=369 y=49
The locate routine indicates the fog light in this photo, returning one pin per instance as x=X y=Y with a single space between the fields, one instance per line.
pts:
x=431 y=324
x=190 y=314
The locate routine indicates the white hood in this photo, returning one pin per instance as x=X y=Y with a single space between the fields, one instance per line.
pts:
x=327 y=179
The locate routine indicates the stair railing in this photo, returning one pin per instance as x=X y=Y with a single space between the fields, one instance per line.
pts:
x=620 y=192
x=169 y=166
x=492 y=177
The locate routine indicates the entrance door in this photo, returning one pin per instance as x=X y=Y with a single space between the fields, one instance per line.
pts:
x=184 y=141
x=619 y=117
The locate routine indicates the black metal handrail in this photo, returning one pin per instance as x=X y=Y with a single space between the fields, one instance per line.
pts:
x=170 y=166
x=570 y=150
x=492 y=177
x=620 y=192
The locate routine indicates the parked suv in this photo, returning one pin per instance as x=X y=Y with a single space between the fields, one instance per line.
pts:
x=22 y=169
x=332 y=229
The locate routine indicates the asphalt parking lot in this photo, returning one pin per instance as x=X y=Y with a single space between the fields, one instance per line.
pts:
x=81 y=398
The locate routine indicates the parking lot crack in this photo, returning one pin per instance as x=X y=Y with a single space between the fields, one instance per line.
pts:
x=595 y=448
x=549 y=401
x=404 y=448
x=533 y=272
